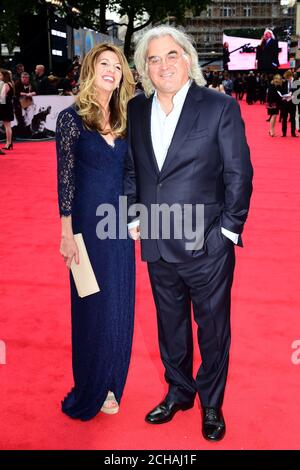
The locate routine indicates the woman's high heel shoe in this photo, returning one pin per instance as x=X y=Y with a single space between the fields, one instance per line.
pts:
x=110 y=406
x=272 y=135
x=9 y=147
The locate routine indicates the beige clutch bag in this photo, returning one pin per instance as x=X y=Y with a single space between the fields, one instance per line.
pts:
x=83 y=274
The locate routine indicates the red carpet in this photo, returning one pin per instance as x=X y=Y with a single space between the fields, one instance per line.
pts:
x=262 y=405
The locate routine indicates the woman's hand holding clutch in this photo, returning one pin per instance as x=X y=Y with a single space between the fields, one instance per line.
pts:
x=69 y=250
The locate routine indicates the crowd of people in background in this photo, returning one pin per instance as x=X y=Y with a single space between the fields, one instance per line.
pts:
x=17 y=89
x=272 y=90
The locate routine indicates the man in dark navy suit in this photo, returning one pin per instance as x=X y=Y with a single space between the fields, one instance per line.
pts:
x=187 y=147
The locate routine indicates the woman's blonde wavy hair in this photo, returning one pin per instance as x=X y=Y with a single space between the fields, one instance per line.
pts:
x=86 y=101
x=182 y=39
x=277 y=80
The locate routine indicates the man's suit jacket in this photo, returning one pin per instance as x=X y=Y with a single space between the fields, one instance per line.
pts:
x=207 y=163
x=287 y=104
x=269 y=55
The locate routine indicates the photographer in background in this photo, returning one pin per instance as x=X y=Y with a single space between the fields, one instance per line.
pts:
x=41 y=81
x=24 y=87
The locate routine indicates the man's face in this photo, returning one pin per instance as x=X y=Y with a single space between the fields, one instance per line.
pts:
x=168 y=67
x=25 y=79
x=267 y=35
x=39 y=71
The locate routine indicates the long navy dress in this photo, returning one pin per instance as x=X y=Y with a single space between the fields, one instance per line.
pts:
x=90 y=172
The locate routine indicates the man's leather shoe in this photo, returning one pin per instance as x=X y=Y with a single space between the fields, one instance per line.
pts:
x=165 y=411
x=213 y=424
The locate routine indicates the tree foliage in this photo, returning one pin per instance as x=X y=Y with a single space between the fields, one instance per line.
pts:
x=139 y=13
x=10 y=12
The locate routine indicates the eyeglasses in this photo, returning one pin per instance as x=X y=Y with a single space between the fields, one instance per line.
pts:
x=105 y=64
x=170 y=59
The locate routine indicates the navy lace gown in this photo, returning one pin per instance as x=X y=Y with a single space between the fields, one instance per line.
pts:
x=90 y=172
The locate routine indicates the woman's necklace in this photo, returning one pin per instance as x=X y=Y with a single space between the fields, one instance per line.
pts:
x=107 y=133
x=106 y=125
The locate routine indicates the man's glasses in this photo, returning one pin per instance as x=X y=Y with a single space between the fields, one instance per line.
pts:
x=170 y=59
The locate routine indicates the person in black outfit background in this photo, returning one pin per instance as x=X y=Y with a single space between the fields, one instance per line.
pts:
x=226 y=55
x=267 y=53
x=6 y=107
x=288 y=108
x=41 y=81
x=251 y=86
x=274 y=101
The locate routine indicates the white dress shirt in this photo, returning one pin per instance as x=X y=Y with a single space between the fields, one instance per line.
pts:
x=162 y=130
x=163 y=126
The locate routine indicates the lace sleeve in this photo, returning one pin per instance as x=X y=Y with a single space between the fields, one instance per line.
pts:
x=67 y=133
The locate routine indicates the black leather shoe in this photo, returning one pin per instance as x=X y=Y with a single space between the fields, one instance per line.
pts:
x=213 y=424
x=165 y=411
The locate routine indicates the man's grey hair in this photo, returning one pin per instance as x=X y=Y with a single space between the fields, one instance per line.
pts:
x=182 y=39
x=267 y=30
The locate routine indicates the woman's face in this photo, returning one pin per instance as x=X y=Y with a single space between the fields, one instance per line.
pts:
x=108 y=72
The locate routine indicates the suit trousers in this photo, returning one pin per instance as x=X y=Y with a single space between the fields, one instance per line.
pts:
x=288 y=109
x=205 y=282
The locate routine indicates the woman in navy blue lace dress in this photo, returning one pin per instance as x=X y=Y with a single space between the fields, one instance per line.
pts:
x=91 y=147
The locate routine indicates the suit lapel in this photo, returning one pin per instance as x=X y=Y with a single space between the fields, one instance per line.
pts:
x=146 y=130
x=189 y=114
